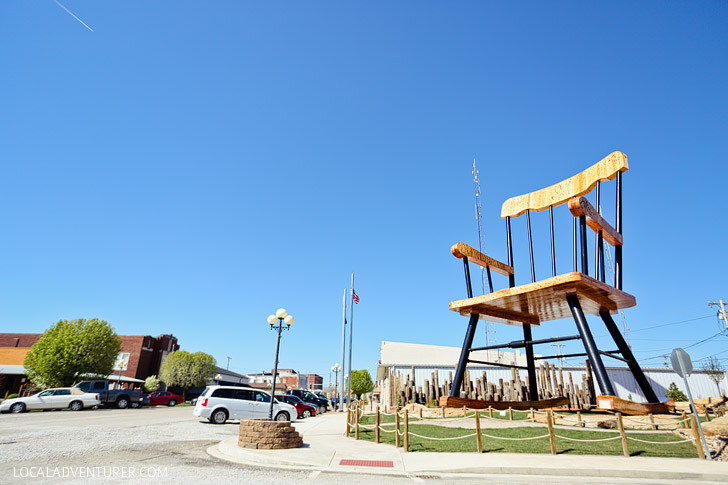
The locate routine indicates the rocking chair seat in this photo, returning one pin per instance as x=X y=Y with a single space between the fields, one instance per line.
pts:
x=545 y=300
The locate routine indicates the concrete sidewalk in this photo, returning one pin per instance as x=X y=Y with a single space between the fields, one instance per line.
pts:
x=325 y=447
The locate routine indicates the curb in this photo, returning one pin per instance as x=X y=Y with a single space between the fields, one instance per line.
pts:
x=229 y=451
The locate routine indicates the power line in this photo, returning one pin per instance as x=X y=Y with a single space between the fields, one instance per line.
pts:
x=673 y=323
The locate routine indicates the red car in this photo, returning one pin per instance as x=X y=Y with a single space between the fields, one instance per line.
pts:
x=304 y=410
x=162 y=398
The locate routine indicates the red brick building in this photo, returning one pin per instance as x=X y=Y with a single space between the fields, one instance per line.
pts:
x=145 y=353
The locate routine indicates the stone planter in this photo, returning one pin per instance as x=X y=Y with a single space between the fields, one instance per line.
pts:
x=264 y=434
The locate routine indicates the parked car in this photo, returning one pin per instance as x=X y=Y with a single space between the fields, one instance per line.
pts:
x=162 y=398
x=58 y=398
x=311 y=398
x=121 y=398
x=220 y=403
x=321 y=395
x=304 y=410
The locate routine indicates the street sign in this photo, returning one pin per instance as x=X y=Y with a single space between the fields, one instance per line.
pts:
x=681 y=363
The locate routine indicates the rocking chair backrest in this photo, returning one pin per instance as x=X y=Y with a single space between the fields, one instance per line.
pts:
x=580 y=184
x=571 y=190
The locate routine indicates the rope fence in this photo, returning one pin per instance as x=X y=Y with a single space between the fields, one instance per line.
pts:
x=355 y=413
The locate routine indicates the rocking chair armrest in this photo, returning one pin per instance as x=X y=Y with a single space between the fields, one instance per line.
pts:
x=580 y=207
x=462 y=250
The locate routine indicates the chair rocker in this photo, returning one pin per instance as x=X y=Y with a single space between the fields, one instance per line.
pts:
x=573 y=294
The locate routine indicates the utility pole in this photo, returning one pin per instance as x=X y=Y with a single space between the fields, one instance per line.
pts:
x=558 y=345
x=228 y=364
x=721 y=311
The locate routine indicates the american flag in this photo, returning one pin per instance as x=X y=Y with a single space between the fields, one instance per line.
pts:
x=355 y=297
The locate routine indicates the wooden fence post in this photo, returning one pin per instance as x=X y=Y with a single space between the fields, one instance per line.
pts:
x=420 y=413
x=490 y=411
x=707 y=414
x=510 y=413
x=552 y=438
x=357 y=417
x=443 y=411
x=652 y=421
x=465 y=411
x=396 y=429
x=532 y=415
x=685 y=420
x=696 y=435
x=620 y=425
x=406 y=430
x=376 y=434
x=578 y=418
x=477 y=430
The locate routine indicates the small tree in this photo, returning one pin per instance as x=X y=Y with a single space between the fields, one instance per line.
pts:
x=361 y=382
x=715 y=371
x=69 y=350
x=151 y=383
x=675 y=394
x=187 y=370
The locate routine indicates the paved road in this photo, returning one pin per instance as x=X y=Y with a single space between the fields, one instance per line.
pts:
x=166 y=445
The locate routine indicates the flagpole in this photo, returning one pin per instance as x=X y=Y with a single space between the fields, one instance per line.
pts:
x=343 y=354
x=351 y=334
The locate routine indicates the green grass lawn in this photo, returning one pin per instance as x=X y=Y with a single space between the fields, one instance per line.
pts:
x=542 y=445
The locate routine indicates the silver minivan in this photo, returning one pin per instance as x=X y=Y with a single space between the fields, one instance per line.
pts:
x=220 y=403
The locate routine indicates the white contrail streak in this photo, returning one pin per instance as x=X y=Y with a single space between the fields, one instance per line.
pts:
x=71 y=14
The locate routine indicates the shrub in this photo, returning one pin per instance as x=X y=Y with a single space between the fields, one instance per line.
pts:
x=15 y=394
x=675 y=394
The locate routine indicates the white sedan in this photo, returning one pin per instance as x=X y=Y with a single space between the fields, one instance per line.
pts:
x=58 y=398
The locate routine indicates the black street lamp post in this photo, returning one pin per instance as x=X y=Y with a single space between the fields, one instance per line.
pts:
x=281 y=317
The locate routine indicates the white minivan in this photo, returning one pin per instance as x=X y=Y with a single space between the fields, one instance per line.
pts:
x=220 y=403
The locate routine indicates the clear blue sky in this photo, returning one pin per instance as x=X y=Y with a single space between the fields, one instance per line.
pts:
x=189 y=167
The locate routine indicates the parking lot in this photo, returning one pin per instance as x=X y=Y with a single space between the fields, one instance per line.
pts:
x=168 y=443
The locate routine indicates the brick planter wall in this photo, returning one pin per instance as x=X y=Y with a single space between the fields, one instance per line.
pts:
x=264 y=434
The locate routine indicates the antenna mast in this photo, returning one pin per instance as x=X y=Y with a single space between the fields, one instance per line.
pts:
x=481 y=246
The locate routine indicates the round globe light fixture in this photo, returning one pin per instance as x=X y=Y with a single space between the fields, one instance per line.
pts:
x=288 y=320
x=281 y=313
x=272 y=319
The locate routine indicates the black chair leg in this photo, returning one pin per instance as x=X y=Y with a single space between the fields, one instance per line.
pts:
x=592 y=352
x=464 y=355
x=530 y=364
x=626 y=352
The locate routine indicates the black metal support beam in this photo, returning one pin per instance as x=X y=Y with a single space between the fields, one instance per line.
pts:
x=618 y=227
x=468 y=284
x=530 y=363
x=626 y=352
x=496 y=364
x=583 y=244
x=464 y=355
x=605 y=384
x=517 y=344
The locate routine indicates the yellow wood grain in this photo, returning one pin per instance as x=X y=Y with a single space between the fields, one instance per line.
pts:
x=579 y=184
x=624 y=406
x=459 y=402
x=461 y=250
x=545 y=300
x=580 y=206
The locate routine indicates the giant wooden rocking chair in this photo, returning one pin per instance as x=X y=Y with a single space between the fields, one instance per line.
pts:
x=572 y=294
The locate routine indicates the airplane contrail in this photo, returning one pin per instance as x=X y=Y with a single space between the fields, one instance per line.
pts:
x=71 y=14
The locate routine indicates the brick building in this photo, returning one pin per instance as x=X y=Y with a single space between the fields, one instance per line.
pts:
x=143 y=353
